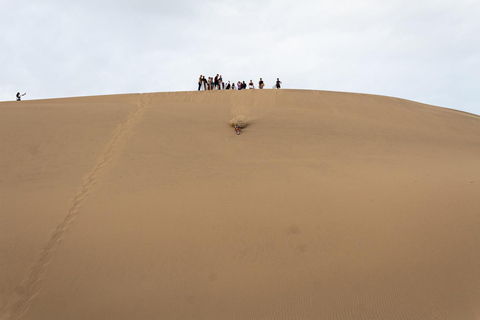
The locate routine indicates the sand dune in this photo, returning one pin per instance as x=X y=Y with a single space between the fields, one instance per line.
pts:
x=328 y=206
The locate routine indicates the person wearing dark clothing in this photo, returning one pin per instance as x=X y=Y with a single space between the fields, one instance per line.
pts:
x=278 y=83
x=216 y=83
x=261 y=84
x=19 y=96
x=200 y=81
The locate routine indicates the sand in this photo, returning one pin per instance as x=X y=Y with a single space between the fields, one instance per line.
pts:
x=328 y=206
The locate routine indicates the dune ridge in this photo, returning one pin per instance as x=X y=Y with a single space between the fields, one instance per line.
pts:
x=329 y=205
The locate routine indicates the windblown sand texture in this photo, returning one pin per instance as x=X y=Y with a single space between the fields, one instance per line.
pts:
x=328 y=206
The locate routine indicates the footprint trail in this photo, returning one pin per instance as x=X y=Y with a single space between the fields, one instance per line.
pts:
x=20 y=301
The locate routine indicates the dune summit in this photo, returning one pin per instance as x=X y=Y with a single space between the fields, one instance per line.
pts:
x=148 y=206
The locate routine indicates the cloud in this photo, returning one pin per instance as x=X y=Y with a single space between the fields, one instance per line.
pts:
x=426 y=51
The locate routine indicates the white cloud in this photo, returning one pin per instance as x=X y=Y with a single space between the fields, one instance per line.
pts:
x=426 y=51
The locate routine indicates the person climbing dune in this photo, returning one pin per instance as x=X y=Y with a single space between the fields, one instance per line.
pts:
x=238 y=129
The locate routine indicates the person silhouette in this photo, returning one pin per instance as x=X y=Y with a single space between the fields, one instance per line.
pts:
x=19 y=96
x=278 y=83
x=261 y=84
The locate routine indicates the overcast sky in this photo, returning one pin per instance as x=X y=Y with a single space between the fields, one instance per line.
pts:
x=423 y=50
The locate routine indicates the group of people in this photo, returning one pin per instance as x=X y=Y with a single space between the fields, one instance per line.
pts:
x=213 y=83
x=217 y=83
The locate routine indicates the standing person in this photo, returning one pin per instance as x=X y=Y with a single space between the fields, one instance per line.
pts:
x=250 y=85
x=239 y=85
x=221 y=85
x=233 y=86
x=204 y=82
x=200 y=81
x=261 y=84
x=19 y=96
x=228 y=86
x=210 y=81
x=278 y=83
x=244 y=85
x=215 y=84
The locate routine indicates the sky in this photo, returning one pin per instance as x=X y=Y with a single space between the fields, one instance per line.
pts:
x=424 y=50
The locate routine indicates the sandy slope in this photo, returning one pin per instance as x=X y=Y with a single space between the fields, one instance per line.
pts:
x=328 y=206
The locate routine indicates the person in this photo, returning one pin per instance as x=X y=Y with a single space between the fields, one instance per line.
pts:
x=20 y=95
x=204 y=81
x=228 y=86
x=233 y=86
x=250 y=85
x=244 y=85
x=238 y=129
x=261 y=84
x=200 y=81
x=278 y=83
x=221 y=85
x=216 y=83
x=209 y=83
x=239 y=85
